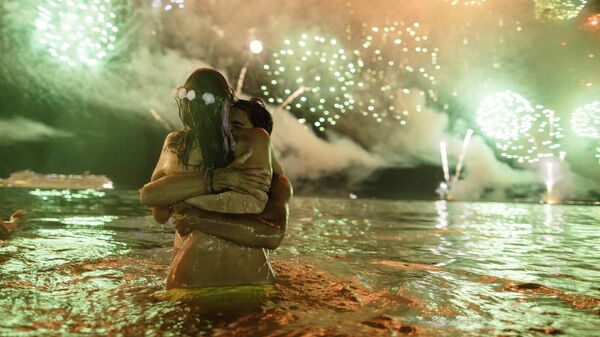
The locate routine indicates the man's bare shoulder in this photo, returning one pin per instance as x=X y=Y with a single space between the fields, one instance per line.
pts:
x=254 y=136
x=254 y=132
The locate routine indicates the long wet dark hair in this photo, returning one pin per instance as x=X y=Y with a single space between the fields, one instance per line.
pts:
x=206 y=121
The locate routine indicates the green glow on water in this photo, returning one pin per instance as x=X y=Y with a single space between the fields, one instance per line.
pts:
x=68 y=194
x=57 y=246
x=88 y=220
x=446 y=268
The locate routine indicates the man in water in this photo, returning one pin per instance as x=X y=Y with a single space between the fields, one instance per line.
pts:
x=252 y=139
x=264 y=230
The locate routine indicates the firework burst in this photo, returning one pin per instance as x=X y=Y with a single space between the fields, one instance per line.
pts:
x=585 y=122
x=558 y=9
x=393 y=60
x=77 y=32
x=522 y=132
x=325 y=71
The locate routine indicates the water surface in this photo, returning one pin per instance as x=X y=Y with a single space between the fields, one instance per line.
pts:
x=94 y=263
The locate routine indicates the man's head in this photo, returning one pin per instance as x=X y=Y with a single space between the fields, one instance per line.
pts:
x=247 y=114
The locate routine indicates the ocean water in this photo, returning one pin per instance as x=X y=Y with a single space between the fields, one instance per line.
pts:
x=94 y=263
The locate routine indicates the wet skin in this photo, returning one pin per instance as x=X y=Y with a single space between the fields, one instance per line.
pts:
x=217 y=249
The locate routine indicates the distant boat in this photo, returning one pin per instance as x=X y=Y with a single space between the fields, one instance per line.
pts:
x=30 y=179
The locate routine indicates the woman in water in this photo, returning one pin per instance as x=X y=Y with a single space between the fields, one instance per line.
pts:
x=251 y=126
x=202 y=149
x=265 y=230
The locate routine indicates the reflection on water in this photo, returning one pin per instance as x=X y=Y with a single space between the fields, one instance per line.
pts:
x=92 y=262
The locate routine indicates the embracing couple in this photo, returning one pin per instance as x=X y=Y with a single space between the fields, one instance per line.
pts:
x=219 y=181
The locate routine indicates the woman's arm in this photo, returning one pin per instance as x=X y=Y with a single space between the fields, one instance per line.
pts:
x=174 y=188
x=161 y=214
x=258 y=141
x=167 y=190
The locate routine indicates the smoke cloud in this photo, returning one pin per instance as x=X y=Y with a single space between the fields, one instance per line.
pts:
x=306 y=156
x=479 y=55
x=20 y=129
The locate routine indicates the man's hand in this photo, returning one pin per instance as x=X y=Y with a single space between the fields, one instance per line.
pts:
x=244 y=180
x=265 y=230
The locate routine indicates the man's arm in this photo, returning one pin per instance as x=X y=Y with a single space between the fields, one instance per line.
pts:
x=244 y=230
x=261 y=231
x=230 y=202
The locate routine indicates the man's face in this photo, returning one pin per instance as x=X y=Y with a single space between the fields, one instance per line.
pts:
x=238 y=119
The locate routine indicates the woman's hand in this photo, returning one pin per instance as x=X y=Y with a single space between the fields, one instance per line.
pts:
x=244 y=180
x=161 y=214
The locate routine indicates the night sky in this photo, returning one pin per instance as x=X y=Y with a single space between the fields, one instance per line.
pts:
x=60 y=116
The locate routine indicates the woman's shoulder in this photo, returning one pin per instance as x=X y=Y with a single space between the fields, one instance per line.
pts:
x=172 y=138
x=173 y=135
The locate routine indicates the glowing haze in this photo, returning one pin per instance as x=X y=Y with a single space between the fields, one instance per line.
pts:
x=372 y=86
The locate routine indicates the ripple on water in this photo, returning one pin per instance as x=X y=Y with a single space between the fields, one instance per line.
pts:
x=90 y=263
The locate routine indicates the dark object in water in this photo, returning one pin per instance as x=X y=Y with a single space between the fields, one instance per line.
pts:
x=7 y=228
x=407 y=329
x=379 y=322
x=548 y=331
x=214 y=300
x=529 y=286
x=386 y=322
